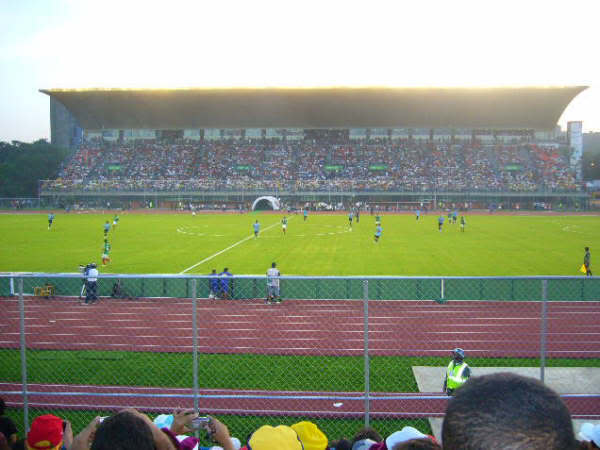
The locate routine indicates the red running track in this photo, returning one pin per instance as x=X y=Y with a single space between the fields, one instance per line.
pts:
x=300 y=327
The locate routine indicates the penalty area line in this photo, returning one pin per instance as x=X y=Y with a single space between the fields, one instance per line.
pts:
x=225 y=249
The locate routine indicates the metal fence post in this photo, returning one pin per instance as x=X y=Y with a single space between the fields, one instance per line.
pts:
x=544 y=329
x=441 y=289
x=195 y=343
x=23 y=356
x=366 y=349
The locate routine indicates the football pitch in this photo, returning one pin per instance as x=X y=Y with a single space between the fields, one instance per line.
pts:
x=324 y=244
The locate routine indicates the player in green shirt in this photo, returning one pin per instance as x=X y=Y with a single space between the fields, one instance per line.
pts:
x=284 y=224
x=377 y=220
x=105 y=253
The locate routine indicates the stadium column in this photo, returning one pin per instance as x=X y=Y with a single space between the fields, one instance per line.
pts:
x=366 y=348
x=195 y=345
x=23 y=344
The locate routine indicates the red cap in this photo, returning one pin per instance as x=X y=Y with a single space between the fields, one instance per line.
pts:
x=46 y=433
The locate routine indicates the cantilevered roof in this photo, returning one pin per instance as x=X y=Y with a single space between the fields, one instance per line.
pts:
x=501 y=108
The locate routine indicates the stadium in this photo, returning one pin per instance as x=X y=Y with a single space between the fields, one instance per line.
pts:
x=366 y=327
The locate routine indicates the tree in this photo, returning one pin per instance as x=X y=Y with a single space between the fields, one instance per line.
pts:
x=22 y=165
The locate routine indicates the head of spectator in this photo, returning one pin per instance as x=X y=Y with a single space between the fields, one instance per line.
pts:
x=458 y=355
x=281 y=437
x=365 y=438
x=124 y=431
x=341 y=444
x=590 y=434
x=310 y=435
x=506 y=410
x=417 y=444
x=46 y=433
x=8 y=429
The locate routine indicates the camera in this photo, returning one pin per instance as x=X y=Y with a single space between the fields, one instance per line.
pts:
x=84 y=268
x=199 y=422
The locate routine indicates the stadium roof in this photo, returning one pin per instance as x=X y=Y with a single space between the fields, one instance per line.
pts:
x=500 y=108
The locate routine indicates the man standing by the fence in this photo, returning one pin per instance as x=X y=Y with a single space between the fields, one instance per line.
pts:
x=587 y=259
x=91 y=286
x=457 y=373
x=273 y=275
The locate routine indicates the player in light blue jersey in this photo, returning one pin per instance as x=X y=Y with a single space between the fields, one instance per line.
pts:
x=440 y=223
x=256 y=227
x=418 y=214
x=50 y=220
x=350 y=217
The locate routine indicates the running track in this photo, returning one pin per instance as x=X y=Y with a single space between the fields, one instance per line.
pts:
x=300 y=327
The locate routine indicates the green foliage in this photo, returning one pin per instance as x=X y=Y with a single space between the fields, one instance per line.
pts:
x=22 y=165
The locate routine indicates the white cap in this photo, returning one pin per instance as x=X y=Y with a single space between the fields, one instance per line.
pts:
x=590 y=432
x=405 y=434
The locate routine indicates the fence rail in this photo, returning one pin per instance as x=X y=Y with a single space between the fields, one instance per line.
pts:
x=341 y=351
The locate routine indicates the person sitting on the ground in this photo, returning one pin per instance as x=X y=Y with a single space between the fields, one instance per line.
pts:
x=590 y=436
x=49 y=432
x=505 y=410
x=132 y=430
x=8 y=429
x=407 y=434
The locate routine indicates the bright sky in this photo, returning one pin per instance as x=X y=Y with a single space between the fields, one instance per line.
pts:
x=147 y=43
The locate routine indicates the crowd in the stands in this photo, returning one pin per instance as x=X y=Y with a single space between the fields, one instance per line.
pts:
x=497 y=411
x=313 y=165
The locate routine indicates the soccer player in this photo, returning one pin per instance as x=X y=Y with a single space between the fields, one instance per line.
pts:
x=106 y=253
x=378 y=231
x=115 y=221
x=106 y=228
x=350 y=216
x=377 y=220
x=418 y=214
x=284 y=224
x=256 y=227
x=587 y=261
x=357 y=215
x=454 y=216
x=50 y=219
x=226 y=289
x=213 y=284
x=273 y=275
x=305 y=214
x=462 y=223
x=449 y=216
x=440 y=222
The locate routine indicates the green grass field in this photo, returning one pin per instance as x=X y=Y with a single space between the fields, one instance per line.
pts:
x=323 y=245
x=172 y=243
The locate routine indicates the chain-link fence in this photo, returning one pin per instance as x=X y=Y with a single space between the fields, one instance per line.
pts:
x=339 y=351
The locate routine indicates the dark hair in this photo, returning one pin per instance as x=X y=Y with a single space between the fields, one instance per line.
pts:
x=417 y=444
x=505 y=410
x=123 y=431
x=273 y=264
x=587 y=249
x=342 y=444
x=2 y=406
x=367 y=433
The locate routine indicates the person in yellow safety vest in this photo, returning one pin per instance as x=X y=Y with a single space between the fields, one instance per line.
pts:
x=457 y=373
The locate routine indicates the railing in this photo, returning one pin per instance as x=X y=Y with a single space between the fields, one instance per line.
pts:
x=339 y=351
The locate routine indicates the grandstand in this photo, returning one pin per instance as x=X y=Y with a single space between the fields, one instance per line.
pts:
x=393 y=147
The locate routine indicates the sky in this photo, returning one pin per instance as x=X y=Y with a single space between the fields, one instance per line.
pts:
x=139 y=44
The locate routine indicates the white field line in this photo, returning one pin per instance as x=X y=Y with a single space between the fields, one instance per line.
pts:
x=228 y=248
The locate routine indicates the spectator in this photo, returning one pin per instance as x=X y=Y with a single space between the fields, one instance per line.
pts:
x=131 y=430
x=49 y=432
x=310 y=435
x=8 y=429
x=590 y=435
x=408 y=434
x=365 y=438
x=281 y=437
x=505 y=410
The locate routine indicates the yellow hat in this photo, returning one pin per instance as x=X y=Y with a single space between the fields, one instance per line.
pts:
x=281 y=437
x=312 y=438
